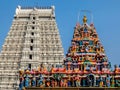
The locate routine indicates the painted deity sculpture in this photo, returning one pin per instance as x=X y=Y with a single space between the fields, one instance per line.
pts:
x=117 y=82
x=27 y=80
x=21 y=85
x=56 y=84
x=40 y=81
x=84 y=82
x=65 y=83
x=78 y=82
x=53 y=83
x=69 y=81
x=21 y=72
x=108 y=80
x=101 y=82
x=104 y=81
x=113 y=82
x=43 y=85
x=48 y=82
x=62 y=83
x=33 y=82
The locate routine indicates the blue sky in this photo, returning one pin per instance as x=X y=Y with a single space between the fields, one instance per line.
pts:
x=106 y=15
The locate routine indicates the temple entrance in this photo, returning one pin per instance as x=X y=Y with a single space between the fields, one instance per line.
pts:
x=90 y=80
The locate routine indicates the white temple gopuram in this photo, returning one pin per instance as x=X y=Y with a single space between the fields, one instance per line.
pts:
x=33 y=39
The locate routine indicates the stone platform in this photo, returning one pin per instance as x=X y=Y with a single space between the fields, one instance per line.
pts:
x=74 y=88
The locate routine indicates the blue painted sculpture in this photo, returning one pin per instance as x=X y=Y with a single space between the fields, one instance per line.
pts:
x=34 y=82
x=108 y=80
x=26 y=81
x=21 y=85
x=40 y=81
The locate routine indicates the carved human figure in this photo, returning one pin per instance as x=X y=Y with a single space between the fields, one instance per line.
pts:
x=113 y=82
x=65 y=83
x=77 y=79
x=40 y=81
x=27 y=81
x=84 y=82
x=33 y=82
x=101 y=82
x=69 y=81
x=53 y=83
x=56 y=84
x=21 y=84
x=108 y=80
x=61 y=83
x=48 y=82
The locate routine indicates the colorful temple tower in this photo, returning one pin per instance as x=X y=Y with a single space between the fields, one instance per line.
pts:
x=86 y=55
x=86 y=59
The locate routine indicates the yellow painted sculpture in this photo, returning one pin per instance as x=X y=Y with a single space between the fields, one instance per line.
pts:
x=84 y=19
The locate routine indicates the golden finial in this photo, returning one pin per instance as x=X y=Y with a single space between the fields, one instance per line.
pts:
x=84 y=19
